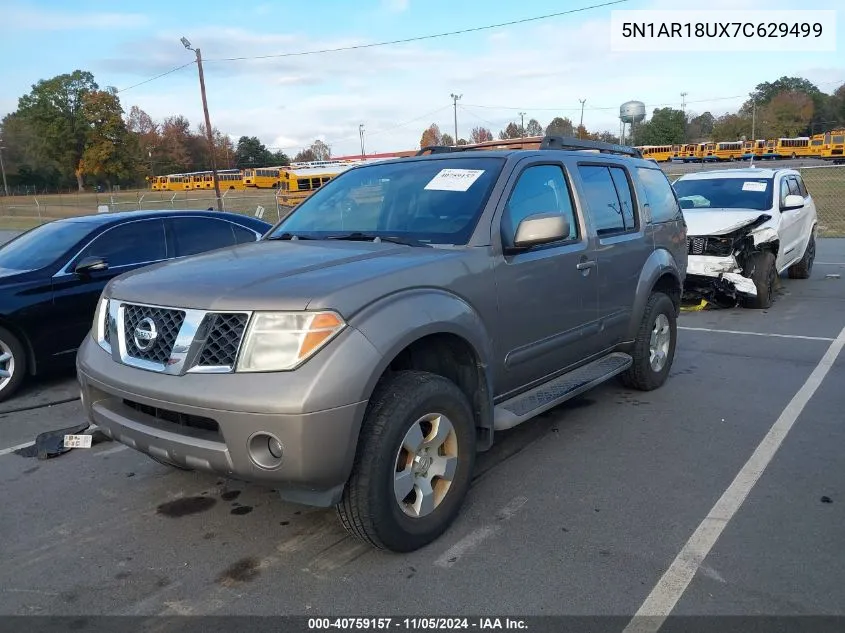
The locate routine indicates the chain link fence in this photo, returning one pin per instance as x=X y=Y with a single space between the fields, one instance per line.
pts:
x=826 y=183
x=25 y=211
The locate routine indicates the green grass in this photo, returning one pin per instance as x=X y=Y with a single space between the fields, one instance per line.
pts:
x=827 y=186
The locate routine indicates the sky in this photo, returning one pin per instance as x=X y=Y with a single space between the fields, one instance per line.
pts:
x=542 y=68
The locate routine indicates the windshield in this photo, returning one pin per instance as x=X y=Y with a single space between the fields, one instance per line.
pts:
x=422 y=201
x=42 y=245
x=725 y=193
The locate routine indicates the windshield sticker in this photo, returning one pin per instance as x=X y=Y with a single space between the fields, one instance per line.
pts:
x=454 y=179
x=753 y=186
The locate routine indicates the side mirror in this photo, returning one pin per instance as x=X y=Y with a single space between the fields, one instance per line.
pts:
x=540 y=228
x=90 y=264
x=792 y=201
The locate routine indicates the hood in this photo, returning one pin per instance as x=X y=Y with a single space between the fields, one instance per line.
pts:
x=268 y=274
x=702 y=222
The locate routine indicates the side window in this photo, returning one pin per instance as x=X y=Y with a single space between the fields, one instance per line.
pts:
x=620 y=179
x=130 y=243
x=540 y=189
x=784 y=190
x=197 y=235
x=605 y=207
x=793 y=187
x=801 y=186
x=242 y=235
x=660 y=196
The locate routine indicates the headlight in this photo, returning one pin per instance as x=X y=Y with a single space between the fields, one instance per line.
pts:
x=98 y=328
x=279 y=341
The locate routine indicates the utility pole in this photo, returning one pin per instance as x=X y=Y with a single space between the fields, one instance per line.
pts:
x=208 y=131
x=684 y=102
x=361 y=134
x=522 y=124
x=581 y=124
x=3 y=169
x=455 y=105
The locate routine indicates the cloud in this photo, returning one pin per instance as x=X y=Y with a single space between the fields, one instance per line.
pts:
x=396 y=6
x=542 y=69
x=28 y=19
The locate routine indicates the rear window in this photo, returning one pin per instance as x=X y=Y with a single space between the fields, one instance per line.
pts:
x=659 y=195
x=725 y=193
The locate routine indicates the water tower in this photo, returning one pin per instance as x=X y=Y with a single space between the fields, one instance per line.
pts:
x=631 y=112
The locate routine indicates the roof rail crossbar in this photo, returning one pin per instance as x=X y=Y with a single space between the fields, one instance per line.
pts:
x=438 y=149
x=569 y=143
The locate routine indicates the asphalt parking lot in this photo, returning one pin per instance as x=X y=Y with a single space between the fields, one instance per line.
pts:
x=730 y=480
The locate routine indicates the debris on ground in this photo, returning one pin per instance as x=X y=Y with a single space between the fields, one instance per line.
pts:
x=692 y=307
x=52 y=443
x=832 y=276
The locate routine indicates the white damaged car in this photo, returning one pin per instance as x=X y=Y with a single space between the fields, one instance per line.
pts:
x=744 y=228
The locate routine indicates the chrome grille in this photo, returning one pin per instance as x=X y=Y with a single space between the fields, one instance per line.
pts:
x=167 y=324
x=106 y=328
x=225 y=331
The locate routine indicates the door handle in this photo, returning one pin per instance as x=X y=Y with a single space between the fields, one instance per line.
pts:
x=585 y=265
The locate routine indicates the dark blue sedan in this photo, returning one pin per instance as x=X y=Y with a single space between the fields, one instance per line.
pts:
x=52 y=276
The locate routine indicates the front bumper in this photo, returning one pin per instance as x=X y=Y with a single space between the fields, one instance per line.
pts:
x=205 y=422
x=717 y=279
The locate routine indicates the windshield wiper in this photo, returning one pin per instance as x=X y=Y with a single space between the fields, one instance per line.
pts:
x=358 y=236
x=289 y=236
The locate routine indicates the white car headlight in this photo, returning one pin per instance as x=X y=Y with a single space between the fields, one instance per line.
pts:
x=98 y=328
x=279 y=341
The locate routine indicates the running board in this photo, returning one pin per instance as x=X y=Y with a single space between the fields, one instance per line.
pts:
x=550 y=394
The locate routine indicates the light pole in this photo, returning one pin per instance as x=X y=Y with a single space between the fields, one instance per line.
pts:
x=455 y=105
x=208 y=131
x=361 y=134
x=3 y=169
x=522 y=124
x=581 y=124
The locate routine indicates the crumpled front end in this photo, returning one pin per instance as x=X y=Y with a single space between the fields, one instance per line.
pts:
x=715 y=263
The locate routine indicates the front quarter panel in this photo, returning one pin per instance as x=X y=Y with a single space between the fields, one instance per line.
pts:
x=398 y=320
x=659 y=263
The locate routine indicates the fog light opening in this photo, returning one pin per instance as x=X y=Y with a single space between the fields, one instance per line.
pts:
x=265 y=450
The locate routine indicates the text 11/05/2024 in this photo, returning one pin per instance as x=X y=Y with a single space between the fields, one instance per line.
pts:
x=417 y=624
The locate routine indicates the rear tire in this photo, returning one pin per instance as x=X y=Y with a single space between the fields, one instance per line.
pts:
x=761 y=270
x=804 y=267
x=416 y=424
x=12 y=364
x=654 y=347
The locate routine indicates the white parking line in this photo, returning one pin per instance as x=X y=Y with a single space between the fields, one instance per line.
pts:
x=477 y=536
x=796 y=336
x=12 y=449
x=672 y=585
x=829 y=263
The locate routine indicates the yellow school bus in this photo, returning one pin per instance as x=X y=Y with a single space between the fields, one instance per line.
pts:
x=177 y=182
x=728 y=150
x=660 y=153
x=226 y=178
x=833 y=146
x=157 y=183
x=262 y=177
x=753 y=149
x=299 y=183
x=687 y=152
x=798 y=147
x=197 y=179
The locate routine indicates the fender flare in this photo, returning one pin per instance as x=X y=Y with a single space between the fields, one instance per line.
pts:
x=661 y=262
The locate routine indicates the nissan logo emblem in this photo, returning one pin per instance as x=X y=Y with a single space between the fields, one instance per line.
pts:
x=145 y=334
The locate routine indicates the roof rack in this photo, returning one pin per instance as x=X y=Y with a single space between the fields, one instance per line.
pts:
x=439 y=149
x=569 y=143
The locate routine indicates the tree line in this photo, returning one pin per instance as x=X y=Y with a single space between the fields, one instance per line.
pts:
x=787 y=107
x=67 y=132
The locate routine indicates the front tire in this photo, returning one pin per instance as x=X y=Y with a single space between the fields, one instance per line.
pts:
x=12 y=364
x=413 y=463
x=804 y=267
x=761 y=270
x=654 y=347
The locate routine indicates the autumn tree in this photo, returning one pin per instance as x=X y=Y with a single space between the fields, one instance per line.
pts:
x=732 y=127
x=606 y=137
x=431 y=136
x=699 y=128
x=105 y=154
x=512 y=130
x=480 y=135
x=176 y=145
x=54 y=110
x=534 y=128
x=447 y=139
x=304 y=156
x=560 y=126
x=462 y=141
x=789 y=113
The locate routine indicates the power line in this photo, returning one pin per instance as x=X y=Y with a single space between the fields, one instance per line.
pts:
x=146 y=81
x=421 y=37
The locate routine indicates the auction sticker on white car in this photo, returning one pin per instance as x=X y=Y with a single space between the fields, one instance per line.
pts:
x=751 y=185
x=454 y=179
